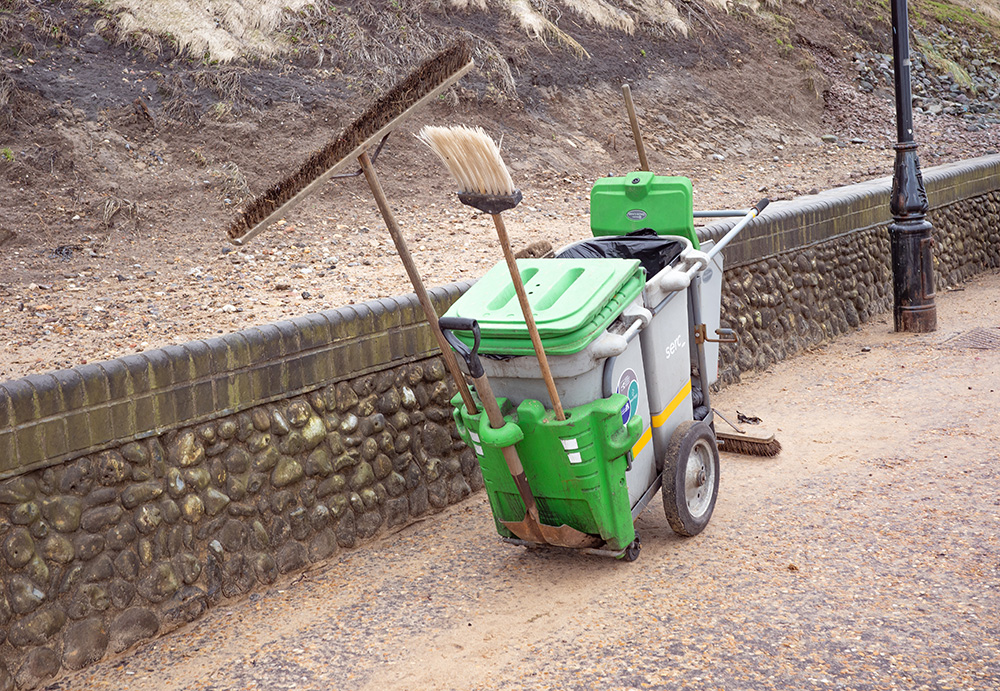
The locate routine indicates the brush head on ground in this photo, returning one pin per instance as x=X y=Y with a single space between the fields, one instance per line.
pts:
x=472 y=158
x=749 y=446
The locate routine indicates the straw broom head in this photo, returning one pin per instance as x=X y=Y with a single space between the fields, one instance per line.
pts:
x=472 y=158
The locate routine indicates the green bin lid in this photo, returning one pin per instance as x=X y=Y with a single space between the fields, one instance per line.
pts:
x=664 y=203
x=573 y=301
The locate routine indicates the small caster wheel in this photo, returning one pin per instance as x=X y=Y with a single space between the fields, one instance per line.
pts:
x=632 y=551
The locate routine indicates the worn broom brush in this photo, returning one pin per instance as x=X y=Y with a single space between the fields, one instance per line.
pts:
x=474 y=160
x=428 y=80
x=746 y=442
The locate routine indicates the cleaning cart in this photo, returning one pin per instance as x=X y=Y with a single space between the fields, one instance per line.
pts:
x=624 y=318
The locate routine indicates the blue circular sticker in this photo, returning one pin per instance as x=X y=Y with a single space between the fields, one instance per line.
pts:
x=628 y=386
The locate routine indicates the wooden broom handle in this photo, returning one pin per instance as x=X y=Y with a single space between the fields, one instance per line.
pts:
x=635 y=127
x=418 y=286
x=529 y=319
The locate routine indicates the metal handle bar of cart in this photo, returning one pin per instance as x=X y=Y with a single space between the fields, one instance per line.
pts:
x=730 y=213
x=641 y=320
x=751 y=214
x=692 y=261
x=721 y=213
x=689 y=262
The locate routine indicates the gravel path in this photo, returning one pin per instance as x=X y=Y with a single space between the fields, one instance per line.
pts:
x=865 y=556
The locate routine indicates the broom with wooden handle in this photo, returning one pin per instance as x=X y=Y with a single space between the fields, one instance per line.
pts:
x=474 y=160
x=740 y=440
x=425 y=83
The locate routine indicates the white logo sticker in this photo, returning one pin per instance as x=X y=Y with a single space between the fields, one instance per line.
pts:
x=675 y=346
x=636 y=214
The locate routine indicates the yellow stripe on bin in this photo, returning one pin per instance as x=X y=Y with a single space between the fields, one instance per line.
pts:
x=643 y=440
x=661 y=419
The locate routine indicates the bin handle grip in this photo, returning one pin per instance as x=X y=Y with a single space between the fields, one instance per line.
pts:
x=700 y=261
x=641 y=321
x=470 y=355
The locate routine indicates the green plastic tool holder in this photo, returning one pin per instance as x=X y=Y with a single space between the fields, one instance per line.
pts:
x=575 y=467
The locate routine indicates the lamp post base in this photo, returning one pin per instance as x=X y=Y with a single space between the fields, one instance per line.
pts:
x=914 y=310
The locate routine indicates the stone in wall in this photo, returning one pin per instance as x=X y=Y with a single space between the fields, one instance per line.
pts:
x=966 y=239
x=804 y=297
x=109 y=550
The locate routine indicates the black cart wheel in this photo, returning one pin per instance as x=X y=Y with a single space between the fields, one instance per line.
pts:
x=690 y=477
x=632 y=551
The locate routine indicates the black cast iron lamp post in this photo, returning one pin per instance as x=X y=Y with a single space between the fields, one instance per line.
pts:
x=910 y=234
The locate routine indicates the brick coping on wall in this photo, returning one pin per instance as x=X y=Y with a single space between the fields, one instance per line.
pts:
x=821 y=217
x=48 y=418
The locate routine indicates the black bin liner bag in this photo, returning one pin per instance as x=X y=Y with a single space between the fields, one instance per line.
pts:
x=653 y=251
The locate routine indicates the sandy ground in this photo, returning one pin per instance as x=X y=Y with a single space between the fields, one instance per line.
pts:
x=864 y=556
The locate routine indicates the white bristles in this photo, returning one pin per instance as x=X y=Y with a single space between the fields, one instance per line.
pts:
x=472 y=158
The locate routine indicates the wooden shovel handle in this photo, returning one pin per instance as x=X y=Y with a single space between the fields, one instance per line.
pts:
x=418 y=286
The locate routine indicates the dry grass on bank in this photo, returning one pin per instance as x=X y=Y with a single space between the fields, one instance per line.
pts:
x=220 y=29
x=223 y=30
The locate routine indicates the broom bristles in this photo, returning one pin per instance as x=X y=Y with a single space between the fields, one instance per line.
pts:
x=748 y=446
x=406 y=94
x=472 y=158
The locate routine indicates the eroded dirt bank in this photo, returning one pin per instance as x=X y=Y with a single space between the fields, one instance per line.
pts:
x=121 y=169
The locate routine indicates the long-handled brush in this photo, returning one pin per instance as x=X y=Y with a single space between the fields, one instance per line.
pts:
x=746 y=442
x=474 y=160
x=636 y=135
x=422 y=85
x=427 y=81
x=740 y=440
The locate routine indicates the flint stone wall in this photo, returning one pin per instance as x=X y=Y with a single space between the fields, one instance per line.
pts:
x=813 y=268
x=225 y=463
x=137 y=493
